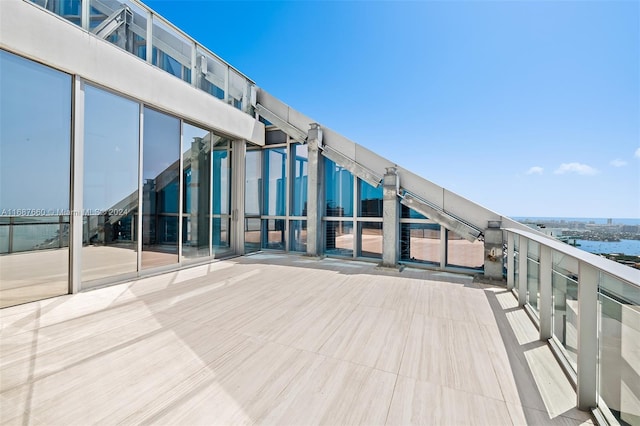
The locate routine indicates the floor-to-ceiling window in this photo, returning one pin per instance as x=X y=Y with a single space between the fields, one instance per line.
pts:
x=35 y=167
x=161 y=188
x=275 y=198
x=370 y=231
x=221 y=194
x=252 y=200
x=110 y=185
x=196 y=183
x=338 y=206
x=419 y=238
x=298 y=205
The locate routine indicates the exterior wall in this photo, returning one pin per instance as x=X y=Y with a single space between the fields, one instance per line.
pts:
x=36 y=34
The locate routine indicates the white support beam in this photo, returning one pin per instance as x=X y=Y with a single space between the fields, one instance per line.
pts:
x=282 y=124
x=522 y=271
x=238 y=156
x=315 y=192
x=77 y=179
x=587 y=361
x=460 y=228
x=546 y=293
x=510 y=261
x=356 y=169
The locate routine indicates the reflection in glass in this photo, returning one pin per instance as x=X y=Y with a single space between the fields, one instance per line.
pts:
x=196 y=178
x=274 y=234
x=463 y=253
x=298 y=232
x=253 y=182
x=370 y=200
x=212 y=74
x=122 y=22
x=339 y=238
x=110 y=185
x=275 y=165
x=619 y=346
x=371 y=239
x=565 y=313
x=171 y=50
x=300 y=156
x=35 y=136
x=408 y=213
x=420 y=242
x=338 y=190
x=160 y=180
x=221 y=158
x=251 y=235
x=70 y=10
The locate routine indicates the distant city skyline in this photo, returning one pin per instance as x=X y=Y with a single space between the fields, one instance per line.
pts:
x=527 y=108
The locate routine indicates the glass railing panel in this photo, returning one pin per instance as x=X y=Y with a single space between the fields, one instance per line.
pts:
x=211 y=75
x=619 y=348
x=237 y=89
x=4 y=238
x=298 y=232
x=71 y=10
x=565 y=314
x=339 y=238
x=533 y=284
x=533 y=250
x=420 y=242
x=123 y=23
x=171 y=50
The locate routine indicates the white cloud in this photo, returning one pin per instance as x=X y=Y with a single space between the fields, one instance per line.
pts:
x=535 y=170
x=618 y=163
x=579 y=168
x=637 y=154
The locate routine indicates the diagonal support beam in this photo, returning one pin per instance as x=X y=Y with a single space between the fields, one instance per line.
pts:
x=356 y=169
x=441 y=217
x=282 y=124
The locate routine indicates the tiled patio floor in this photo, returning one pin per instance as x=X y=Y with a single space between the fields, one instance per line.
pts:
x=278 y=339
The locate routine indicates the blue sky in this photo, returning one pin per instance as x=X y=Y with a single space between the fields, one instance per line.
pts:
x=527 y=108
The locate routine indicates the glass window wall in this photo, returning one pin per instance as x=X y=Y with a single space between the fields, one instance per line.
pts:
x=370 y=200
x=274 y=237
x=370 y=239
x=196 y=182
x=123 y=23
x=338 y=190
x=110 y=185
x=171 y=50
x=300 y=160
x=275 y=166
x=251 y=234
x=35 y=139
x=253 y=183
x=465 y=254
x=298 y=232
x=221 y=217
x=420 y=242
x=160 y=181
x=339 y=238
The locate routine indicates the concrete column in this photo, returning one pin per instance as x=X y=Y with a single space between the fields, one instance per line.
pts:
x=493 y=251
x=238 y=159
x=77 y=164
x=390 y=218
x=522 y=271
x=510 y=261
x=587 y=336
x=546 y=294
x=315 y=191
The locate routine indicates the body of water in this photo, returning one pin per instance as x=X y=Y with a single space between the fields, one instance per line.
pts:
x=628 y=247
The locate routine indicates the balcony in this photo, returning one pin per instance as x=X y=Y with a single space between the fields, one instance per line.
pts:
x=281 y=339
